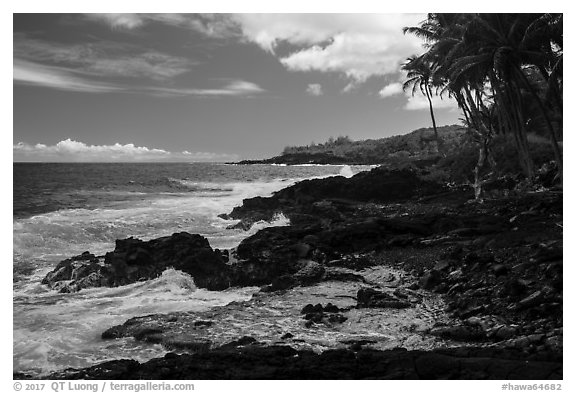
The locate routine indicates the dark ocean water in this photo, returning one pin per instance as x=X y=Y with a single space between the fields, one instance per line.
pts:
x=61 y=210
x=45 y=187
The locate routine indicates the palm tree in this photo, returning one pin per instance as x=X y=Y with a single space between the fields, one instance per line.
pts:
x=511 y=44
x=420 y=77
x=485 y=61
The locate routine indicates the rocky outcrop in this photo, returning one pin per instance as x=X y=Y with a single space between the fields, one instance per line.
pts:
x=134 y=260
x=329 y=314
x=76 y=273
x=308 y=158
x=311 y=200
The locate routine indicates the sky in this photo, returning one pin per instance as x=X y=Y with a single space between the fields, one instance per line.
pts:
x=209 y=87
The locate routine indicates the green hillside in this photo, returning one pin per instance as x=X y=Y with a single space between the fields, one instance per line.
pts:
x=418 y=144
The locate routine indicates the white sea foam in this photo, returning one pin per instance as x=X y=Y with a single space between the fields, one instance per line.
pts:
x=67 y=232
x=316 y=165
x=54 y=331
x=346 y=171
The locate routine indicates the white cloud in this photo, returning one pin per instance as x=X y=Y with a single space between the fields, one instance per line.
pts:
x=59 y=78
x=78 y=151
x=420 y=102
x=73 y=151
x=356 y=45
x=267 y=30
x=391 y=90
x=349 y=87
x=118 y=21
x=29 y=73
x=212 y=25
x=104 y=58
x=95 y=68
x=234 y=88
x=153 y=65
x=314 y=89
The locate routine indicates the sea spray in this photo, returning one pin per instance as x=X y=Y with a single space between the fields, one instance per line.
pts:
x=54 y=331
x=62 y=210
x=346 y=171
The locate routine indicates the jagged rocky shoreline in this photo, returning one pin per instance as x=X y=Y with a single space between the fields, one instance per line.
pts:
x=496 y=265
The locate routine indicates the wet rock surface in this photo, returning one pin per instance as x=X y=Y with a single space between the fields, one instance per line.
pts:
x=332 y=198
x=284 y=362
x=134 y=260
x=285 y=316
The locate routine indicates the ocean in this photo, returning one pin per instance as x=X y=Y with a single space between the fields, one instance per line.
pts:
x=62 y=209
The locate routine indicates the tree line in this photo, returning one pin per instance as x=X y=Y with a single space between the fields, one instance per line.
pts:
x=503 y=70
x=416 y=144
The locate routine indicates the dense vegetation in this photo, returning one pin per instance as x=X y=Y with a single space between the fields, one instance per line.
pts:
x=418 y=144
x=506 y=73
x=418 y=148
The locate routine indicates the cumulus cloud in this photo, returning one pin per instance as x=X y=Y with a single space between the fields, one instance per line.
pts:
x=391 y=90
x=420 y=102
x=74 y=151
x=356 y=45
x=314 y=89
x=78 y=151
x=267 y=30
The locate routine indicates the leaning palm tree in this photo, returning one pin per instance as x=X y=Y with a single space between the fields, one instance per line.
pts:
x=420 y=77
x=508 y=44
x=472 y=54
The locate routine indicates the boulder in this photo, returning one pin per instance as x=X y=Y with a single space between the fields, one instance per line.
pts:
x=309 y=308
x=311 y=272
x=430 y=279
x=134 y=260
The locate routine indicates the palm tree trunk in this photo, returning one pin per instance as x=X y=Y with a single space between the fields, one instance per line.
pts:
x=555 y=147
x=462 y=105
x=429 y=97
x=505 y=126
x=522 y=139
